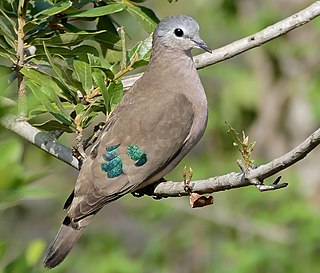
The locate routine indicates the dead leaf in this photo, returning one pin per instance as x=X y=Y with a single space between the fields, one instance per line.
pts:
x=198 y=201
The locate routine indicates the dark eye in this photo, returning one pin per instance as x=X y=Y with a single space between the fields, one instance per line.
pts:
x=178 y=32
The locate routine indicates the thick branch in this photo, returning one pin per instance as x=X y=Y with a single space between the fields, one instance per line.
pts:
x=43 y=140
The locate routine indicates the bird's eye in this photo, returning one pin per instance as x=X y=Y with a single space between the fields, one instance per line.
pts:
x=178 y=32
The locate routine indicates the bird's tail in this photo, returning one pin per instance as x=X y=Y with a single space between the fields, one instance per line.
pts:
x=61 y=245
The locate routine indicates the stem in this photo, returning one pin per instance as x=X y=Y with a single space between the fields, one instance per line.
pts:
x=22 y=10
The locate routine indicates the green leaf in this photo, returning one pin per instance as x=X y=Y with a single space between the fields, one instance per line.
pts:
x=40 y=92
x=99 y=79
x=141 y=51
x=34 y=252
x=97 y=12
x=55 y=9
x=67 y=38
x=53 y=125
x=40 y=77
x=83 y=71
x=144 y=16
x=84 y=50
x=109 y=39
x=7 y=31
x=115 y=91
x=101 y=64
x=54 y=67
x=7 y=54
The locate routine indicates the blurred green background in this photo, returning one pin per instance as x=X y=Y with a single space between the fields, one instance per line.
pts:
x=271 y=92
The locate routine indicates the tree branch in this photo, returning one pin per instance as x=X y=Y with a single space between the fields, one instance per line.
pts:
x=238 y=180
x=43 y=140
x=49 y=143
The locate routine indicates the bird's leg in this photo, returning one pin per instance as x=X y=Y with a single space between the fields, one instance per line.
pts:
x=148 y=190
x=96 y=134
x=78 y=156
x=260 y=183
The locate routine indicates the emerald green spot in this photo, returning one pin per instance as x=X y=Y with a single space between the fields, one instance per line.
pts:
x=113 y=166
x=137 y=155
x=116 y=171
x=110 y=155
x=112 y=147
x=141 y=161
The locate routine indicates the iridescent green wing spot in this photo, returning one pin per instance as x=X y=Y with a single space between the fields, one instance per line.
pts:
x=137 y=155
x=113 y=166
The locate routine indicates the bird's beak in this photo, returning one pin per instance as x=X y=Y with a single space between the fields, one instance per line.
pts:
x=202 y=44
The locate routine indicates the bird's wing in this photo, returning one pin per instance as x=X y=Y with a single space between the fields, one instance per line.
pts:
x=141 y=141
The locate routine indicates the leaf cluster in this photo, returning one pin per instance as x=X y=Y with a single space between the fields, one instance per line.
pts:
x=74 y=53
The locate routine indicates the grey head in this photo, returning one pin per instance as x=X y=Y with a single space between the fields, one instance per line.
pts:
x=180 y=33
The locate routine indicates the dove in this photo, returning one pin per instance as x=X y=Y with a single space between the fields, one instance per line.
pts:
x=158 y=121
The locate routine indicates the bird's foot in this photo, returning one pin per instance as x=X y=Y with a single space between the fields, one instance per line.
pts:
x=148 y=190
x=260 y=183
x=196 y=200
x=78 y=155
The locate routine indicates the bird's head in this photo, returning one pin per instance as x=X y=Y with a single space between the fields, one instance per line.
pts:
x=180 y=33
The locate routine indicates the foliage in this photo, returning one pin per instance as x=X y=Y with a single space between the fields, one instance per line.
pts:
x=80 y=80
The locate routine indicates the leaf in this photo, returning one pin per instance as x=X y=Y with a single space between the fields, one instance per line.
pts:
x=53 y=125
x=55 y=9
x=99 y=79
x=84 y=50
x=34 y=252
x=54 y=67
x=40 y=93
x=40 y=77
x=7 y=31
x=198 y=201
x=97 y=12
x=83 y=71
x=140 y=53
x=144 y=16
x=66 y=38
x=109 y=39
x=115 y=91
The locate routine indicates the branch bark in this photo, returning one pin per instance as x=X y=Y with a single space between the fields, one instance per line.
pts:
x=238 y=180
x=49 y=143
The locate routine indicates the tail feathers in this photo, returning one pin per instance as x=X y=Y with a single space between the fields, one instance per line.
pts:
x=61 y=245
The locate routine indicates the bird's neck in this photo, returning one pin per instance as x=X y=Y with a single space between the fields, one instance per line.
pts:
x=171 y=60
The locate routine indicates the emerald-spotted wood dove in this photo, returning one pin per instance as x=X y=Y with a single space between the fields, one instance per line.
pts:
x=158 y=121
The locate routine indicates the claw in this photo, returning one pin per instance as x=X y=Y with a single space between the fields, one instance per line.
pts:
x=274 y=186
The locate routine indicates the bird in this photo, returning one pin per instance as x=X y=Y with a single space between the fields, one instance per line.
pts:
x=158 y=121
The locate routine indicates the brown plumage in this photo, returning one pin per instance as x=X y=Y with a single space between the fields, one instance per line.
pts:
x=161 y=117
